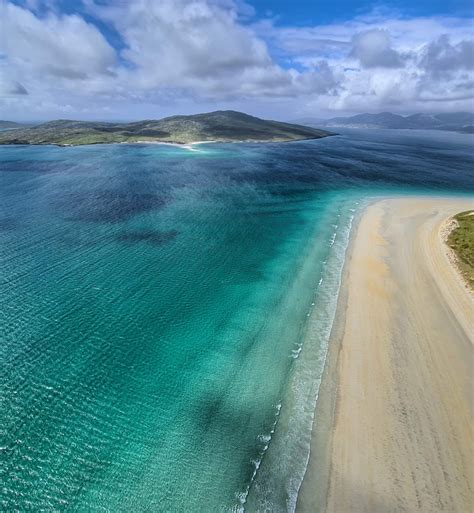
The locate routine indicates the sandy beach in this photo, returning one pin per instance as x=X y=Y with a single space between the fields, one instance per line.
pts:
x=394 y=415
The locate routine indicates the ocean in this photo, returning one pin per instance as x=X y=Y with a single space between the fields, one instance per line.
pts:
x=165 y=313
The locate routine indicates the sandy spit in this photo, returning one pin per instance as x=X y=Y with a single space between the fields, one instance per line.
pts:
x=394 y=428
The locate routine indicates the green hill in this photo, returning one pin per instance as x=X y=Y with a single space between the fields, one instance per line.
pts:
x=220 y=126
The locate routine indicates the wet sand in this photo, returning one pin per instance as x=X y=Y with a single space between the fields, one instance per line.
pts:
x=394 y=416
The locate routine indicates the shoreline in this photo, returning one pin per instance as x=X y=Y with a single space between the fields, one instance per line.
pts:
x=184 y=145
x=390 y=407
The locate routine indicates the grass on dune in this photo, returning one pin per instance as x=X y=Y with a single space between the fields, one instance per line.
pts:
x=461 y=240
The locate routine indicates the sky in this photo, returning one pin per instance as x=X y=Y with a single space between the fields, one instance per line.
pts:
x=279 y=59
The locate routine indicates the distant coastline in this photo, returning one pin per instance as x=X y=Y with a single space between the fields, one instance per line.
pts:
x=462 y=122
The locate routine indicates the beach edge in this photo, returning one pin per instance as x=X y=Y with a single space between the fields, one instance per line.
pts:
x=314 y=490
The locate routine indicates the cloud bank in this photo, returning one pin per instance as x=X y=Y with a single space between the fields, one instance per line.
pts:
x=122 y=59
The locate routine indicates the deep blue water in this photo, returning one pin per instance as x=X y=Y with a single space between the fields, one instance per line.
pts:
x=165 y=313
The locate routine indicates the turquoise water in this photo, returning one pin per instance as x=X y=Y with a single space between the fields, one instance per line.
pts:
x=165 y=313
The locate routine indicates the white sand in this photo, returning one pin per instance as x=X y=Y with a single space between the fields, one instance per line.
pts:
x=394 y=423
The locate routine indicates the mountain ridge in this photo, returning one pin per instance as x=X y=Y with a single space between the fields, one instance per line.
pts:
x=217 y=126
x=455 y=121
x=5 y=125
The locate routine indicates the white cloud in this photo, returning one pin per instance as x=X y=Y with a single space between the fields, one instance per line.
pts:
x=384 y=61
x=373 y=50
x=206 y=53
x=199 y=46
x=440 y=58
x=62 y=46
x=406 y=33
x=9 y=83
x=191 y=48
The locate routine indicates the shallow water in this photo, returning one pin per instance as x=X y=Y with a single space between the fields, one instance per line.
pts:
x=165 y=313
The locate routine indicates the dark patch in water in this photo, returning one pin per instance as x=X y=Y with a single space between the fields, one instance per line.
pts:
x=211 y=412
x=8 y=224
x=152 y=237
x=109 y=205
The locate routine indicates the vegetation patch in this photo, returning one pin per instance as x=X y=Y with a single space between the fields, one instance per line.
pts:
x=461 y=240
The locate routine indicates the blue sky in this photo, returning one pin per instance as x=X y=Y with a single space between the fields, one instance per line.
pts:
x=305 y=13
x=129 y=59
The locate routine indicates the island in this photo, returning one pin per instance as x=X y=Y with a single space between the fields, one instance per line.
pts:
x=218 y=126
